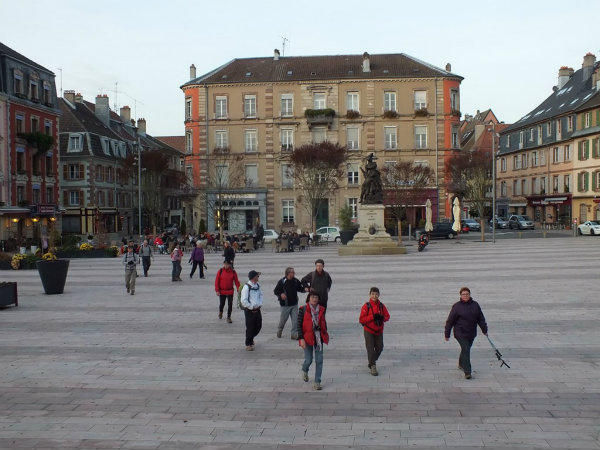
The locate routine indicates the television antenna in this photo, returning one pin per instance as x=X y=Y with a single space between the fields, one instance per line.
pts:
x=283 y=45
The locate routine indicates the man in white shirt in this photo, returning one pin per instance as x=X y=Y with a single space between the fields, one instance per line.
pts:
x=252 y=300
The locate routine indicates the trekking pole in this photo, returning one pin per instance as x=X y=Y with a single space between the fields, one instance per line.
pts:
x=498 y=354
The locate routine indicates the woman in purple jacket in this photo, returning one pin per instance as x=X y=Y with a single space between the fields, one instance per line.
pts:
x=464 y=317
x=197 y=259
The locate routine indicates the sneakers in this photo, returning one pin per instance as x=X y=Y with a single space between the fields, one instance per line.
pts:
x=220 y=315
x=229 y=320
x=317 y=387
x=374 y=370
x=305 y=376
x=468 y=376
x=132 y=292
x=128 y=290
x=294 y=337
x=279 y=333
x=249 y=348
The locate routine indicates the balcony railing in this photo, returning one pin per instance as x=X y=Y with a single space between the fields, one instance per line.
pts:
x=319 y=116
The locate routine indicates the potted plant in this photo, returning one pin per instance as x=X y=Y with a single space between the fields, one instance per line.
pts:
x=8 y=293
x=346 y=230
x=53 y=273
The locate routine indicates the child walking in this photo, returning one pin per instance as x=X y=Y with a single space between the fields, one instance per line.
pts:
x=373 y=314
x=312 y=334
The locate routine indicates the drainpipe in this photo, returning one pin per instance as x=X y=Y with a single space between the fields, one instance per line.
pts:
x=437 y=188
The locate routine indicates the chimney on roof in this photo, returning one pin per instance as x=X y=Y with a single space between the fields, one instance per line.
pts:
x=276 y=54
x=448 y=67
x=78 y=98
x=366 y=65
x=588 y=65
x=70 y=96
x=192 y=72
x=102 y=109
x=141 y=125
x=125 y=114
x=564 y=74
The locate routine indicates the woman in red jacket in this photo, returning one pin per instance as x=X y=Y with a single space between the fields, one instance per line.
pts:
x=312 y=334
x=224 y=282
x=372 y=316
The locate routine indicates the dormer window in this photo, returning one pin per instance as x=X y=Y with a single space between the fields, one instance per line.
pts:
x=18 y=84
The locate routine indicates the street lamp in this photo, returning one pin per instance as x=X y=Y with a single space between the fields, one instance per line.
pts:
x=493 y=182
x=139 y=188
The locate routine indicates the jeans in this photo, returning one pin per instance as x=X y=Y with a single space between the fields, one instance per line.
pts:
x=176 y=270
x=374 y=346
x=291 y=312
x=308 y=359
x=253 y=325
x=465 y=354
x=199 y=264
x=229 y=299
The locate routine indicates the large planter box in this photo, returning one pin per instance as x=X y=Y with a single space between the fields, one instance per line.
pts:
x=95 y=253
x=8 y=293
x=53 y=275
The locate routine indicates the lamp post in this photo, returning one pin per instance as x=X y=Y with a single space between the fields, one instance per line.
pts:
x=493 y=183
x=139 y=188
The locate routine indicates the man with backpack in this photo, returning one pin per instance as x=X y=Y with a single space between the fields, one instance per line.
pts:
x=286 y=291
x=373 y=314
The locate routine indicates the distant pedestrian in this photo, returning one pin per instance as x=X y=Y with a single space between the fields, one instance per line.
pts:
x=197 y=259
x=373 y=314
x=319 y=281
x=176 y=256
x=228 y=252
x=286 y=291
x=464 y=317
x=130 y=261
x=225 y=281
x=252 y=300
x=312 y=334
x=147 y=254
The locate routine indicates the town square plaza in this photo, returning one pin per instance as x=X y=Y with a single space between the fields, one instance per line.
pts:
x=97 y=368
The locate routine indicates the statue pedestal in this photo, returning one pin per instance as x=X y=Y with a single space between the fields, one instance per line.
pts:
x=371 y=239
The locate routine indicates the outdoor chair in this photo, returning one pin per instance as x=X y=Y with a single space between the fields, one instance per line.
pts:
x=274 y=246
x=283 y=247
x=303 y=243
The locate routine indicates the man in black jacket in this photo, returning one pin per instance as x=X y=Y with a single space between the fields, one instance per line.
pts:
x=319 y=281
x=464 y=317
x=287 y=293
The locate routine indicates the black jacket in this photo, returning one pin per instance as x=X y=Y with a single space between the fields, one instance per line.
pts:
x=290 y=288
x=320 y=283
x=464 y=318
x=229 y=253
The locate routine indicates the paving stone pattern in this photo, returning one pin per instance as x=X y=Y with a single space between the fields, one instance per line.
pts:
x=96 y=368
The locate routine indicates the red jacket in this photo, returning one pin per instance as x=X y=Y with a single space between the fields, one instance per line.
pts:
x=305 y=326
x=367 y=319
x=225 y=280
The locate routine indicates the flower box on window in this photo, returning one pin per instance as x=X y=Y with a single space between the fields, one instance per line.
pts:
x=456 y=112
x=221 y=150
x=421 y=112
x=390 y=114
x=352 y=114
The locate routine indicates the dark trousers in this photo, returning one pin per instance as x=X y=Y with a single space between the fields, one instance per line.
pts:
x=253 y=325
x=464 y=361
x=229 y=303
x=374 y=346
x=176 y=270
x=146 y=264
x=197 y=264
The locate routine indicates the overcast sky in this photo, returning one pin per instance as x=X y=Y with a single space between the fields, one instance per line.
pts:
x=508 y=52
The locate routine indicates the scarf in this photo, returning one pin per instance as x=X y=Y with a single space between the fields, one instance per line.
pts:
x=314 y=312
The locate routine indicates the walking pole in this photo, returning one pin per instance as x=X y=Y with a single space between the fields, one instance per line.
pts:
x=498 y=354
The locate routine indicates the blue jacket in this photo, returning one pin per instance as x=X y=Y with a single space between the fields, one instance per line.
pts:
x=464 y=318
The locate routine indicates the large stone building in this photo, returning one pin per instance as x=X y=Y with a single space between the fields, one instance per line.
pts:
x=28 y=159
x=244 y=118
x=548 y=160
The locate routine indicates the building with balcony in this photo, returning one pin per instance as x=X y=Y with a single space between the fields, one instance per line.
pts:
x=243 y=119
x=543 y=160
x=29 y=120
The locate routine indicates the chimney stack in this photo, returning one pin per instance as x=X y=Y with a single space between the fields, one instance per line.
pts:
x=276 y=54
x=141 y=125
x=70 y=96
x=192 y=72
x=588 y=65
x=125 y=114
x=564 y=75
x=102 y=109
x=448 y=67
x=366 y=65
x=78 y=98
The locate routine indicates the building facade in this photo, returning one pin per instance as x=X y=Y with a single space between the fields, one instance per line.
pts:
x=540 y=157
x=28 y=156
x=243 y=119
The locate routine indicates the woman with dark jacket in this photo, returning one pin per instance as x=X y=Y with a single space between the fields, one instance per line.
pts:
x=287 y=293
x=197 y=259
x=312 y=334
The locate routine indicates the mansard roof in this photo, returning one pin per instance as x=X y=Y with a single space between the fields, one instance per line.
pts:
x=7 y=51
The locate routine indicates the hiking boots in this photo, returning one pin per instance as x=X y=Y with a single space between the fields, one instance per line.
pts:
x=305 y=376
x=220 y=315
x=468 y=376
x=374 y=370
x=279 y=333
x=317 y=386
x=229 y=320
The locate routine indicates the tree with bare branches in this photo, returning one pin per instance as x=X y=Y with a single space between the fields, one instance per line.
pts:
x=317 y=169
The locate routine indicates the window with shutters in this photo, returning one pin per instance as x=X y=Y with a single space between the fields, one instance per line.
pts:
x=50 y=194
x=587 y=119
x=503 y=189
x=555 y=179
x=99 y=173
x=596 y=181
x=74 y=198
x=558 y=129
x=548 y=128
x=542 y=185
x=36 y=196
x=524 y=161
x=555 y=155
x=567 y=183
x=583 y=181
x=516 y=186
x=569 y=123
x=596 y=148
x=75 y=172
x=539 y=135
x=49 y=164
x=567 y=152
x=583 y=150
x=101 y=198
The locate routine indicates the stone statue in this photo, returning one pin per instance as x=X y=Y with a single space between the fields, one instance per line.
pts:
x=372 y=190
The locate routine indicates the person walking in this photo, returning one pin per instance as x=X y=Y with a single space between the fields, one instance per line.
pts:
x=197 y=259
x=146 y=254
x=225 y=281
x=286 y=291
x=373 y=314
x=319 y=281
x=252 y=300
x=464 y=317
x=176 y=256
x=312 y=334
x=228 y=252
x=130 y=261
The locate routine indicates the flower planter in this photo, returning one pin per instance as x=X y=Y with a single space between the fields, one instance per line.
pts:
x=346 y=236
x=53 y=275
x=8 y=294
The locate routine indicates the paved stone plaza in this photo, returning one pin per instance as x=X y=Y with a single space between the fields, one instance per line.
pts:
x=96 y=368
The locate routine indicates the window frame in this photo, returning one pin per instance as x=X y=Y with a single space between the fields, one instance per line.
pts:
x=285 y=99
x=419 y=144
x=390 y=101
x=250 y=106
x=288 y=211
x=251 y=140
x=390 y=145
x=353 y=144
x=221 y=107
x=352 y=101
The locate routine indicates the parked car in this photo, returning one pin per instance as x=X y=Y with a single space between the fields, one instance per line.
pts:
x=520 y=222
x=472 y=224
x=329 y=233
x=270 y=235
x=440 y=230
x=501 y=222
x=589 y=227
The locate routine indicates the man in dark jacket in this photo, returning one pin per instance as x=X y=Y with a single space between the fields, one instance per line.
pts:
x=464 y=317
x=228 y=253
x=318 y=281
x=287 y=293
